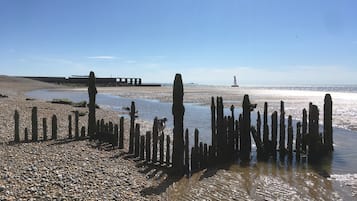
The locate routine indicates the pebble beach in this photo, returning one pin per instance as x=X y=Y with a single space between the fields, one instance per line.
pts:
x=62 y=170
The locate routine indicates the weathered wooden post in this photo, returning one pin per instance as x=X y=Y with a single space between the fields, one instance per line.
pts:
x=121 y=133
x=148 y=146
x=266 y=130
x=314 y=137
x=221 y=132
x=44 y=126
x=282 y=130
x=168 y=142
x=76 y=128
x=304 y=130
x=142 y=147
x=298 y=140
x=116 y=135
x=102 y=130
x=26 y=135
x=328 y=131
x=205 y=155
x=236 y=136
x=92 y=92
x=83 y=132
x=274 y=131
x=111 y=133
x=187 y=154
x=161 y=147
x=201 y=155
x=195 y=154
x=34 y=124
x=245 y=143
x=70 y=126
x=213 y=123
x=155 y=135
x=17 y=126
x=259 y=125
x=97 y=130
x=54 y=127
x=132 y=124
x=178 y=111
x=193 y=160
x=290 y=136
x=137 y=140
x=230 y=138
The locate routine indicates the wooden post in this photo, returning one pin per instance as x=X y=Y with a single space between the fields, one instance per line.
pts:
x=193 y=160
x=44 y=126
x=168 y=141
x=187 y=154
x=83 y=132
x=97 y=130
x=304 y=130
x=200 y=155
x=178 y=111
x=205 y=155
x=92 y=92
x=195 y=165
x=162 y=136
x=236 y=136
x=121 y=133
x=34 y=124
x=290 y=136
x=274 y=131
x=230 y=137
x=210 y=160
x=220 y=129
x=298 y=140
x=328 y=131
x=282 y=130
x=259 y=125
x=314 y=137
x=142 y=147
x=76 y=128
x=213 y=123
x=136 y=140
x=102 y=130
x=17 y=126
x=266 y=130
x=54 y=127
x=70 y=126
x=132 y=124
x=148 y=146
x=246 y=145
x=26 y=135
x=116 y=135
x=258 y=143
x=155 y=135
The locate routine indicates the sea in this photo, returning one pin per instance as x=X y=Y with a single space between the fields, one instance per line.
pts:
x=334 y=179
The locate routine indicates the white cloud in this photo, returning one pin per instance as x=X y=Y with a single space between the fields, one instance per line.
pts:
x=102 y=57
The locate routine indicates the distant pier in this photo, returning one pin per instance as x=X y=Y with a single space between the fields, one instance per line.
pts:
x=101 y=81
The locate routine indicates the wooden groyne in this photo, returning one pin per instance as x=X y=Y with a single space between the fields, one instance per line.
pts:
x=231 y=135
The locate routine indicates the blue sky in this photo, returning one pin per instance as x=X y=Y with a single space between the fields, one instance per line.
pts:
x=262 y=42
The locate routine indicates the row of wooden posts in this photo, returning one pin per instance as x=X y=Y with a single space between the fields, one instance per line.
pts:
x=79 y=133
x=231 y=137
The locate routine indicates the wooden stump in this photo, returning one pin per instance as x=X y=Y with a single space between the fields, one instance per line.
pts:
x=148 y=146
x=44 y=126
x=155 y=135
x=137 y=140
x=121 y=133
x=142 y=147
x=132 y=125
x=328 y=135
x=34 y=124
x=282 y=130
x=178 y=111
x=17 y=126
x=76 y=128
x=54 y=127
x=92 y=92
x=70 y=126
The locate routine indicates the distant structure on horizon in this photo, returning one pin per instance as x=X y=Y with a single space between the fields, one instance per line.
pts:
x=235 y=82
x=101 y=81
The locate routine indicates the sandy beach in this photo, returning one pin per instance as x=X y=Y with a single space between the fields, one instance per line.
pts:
x=61 y=171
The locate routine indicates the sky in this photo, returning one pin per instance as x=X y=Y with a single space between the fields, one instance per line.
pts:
x=263 y=42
